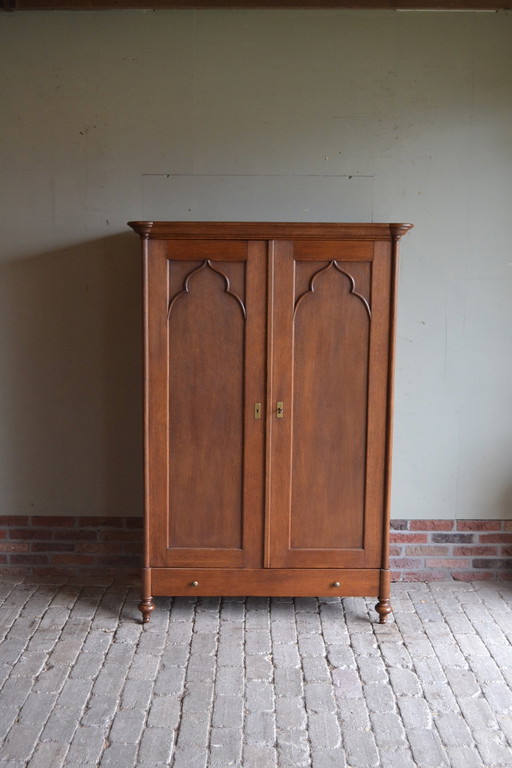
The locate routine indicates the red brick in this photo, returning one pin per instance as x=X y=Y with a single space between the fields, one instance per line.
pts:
x=91 y=577
x=473 y=575
x=14 y=546
x=479 y=525
x=14 y=520
x=50 y=571
x=12 y=570
x=505 y=551
x=72 y=559
x=53 y=521
x=496 y=538
x=106 y=535
x=399 y=525
x=29 y=559
x=119 y=561
x=496 y=562
x=420 y=538
x=431 y=525
x=453 y=538
x=504 y=575
x=406 y=562
x=473 y=550
x=396 y=575
x=134 y=522
x=49 y=546
x=102 y=522
x=395 y=550
x=507 y=525
x=94 y=547
x=427 y=549
x=447 y=562
x=3 y=533
x=30 y=533
x=426 y=575
x=110 y=547
x=61 y=578
x=76 y=534
x=3 y=559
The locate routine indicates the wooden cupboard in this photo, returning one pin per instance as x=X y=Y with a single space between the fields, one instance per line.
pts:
x=268 y=408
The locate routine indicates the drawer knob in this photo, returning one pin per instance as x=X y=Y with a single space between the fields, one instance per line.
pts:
x=195 y=584
x=336 y=584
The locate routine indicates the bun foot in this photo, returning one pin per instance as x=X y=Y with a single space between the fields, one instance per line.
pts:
x=146 y=605
x=383 y=608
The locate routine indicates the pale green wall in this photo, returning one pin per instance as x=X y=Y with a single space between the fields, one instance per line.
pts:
x=293 y=115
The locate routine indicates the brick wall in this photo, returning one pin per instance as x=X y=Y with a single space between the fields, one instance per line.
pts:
x=53 y=546
x=420 y=550
x=465 y=550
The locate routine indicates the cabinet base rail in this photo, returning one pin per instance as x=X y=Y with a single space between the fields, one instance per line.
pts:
x=268 y=582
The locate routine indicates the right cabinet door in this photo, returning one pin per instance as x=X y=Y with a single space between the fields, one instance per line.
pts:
x=329 y=326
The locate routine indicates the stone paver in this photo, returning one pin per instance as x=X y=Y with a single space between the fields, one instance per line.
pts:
x=256 y=682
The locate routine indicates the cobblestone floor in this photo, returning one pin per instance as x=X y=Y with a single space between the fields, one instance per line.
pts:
x=255 y=683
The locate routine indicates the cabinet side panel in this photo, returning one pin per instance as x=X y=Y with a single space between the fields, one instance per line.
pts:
x=206 y=393
x=156 y=402
x=379 y=406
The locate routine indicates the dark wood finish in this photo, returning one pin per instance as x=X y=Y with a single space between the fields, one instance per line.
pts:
x=321 y=368
x=105 y=5
x=146 y=605
x=300 y=319
x=205 y=354
x=271 y=582
x=383 y=608
x=269 y=230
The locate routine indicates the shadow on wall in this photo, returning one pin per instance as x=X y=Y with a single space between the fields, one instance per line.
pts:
x=71 y=381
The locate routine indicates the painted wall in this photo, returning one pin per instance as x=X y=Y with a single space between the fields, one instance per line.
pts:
x=292 y=115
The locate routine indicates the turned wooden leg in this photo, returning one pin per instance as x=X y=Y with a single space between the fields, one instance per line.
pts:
x=383 y=608
x=146 y=605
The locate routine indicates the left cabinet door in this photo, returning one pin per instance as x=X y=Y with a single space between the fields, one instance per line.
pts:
x=205 y=338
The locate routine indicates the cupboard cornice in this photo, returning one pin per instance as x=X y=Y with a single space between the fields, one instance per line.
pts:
x=269 y=230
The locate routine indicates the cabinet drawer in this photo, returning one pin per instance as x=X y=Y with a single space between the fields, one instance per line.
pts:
x=271 y=582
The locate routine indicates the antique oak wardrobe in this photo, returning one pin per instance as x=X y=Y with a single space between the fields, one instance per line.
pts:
x=268 y=408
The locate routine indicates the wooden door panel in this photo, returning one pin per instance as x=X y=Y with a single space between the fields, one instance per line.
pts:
x=214 y=310
x=322 y=500
x=206 y=366
x=330 y=334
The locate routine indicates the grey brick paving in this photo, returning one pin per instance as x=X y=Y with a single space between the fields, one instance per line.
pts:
x=225 y=746
x=255 y=683
x=48 y=754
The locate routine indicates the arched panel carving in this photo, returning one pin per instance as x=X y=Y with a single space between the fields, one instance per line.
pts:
x=332 y=265
x=206 y=264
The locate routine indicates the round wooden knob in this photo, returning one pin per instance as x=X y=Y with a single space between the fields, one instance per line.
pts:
x=195 y=584
x=336 y=584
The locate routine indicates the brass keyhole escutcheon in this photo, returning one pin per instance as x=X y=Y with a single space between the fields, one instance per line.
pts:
x=280 y=410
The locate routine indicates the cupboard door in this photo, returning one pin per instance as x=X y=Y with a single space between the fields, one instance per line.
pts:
x=205 y=449
x=330 y=326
